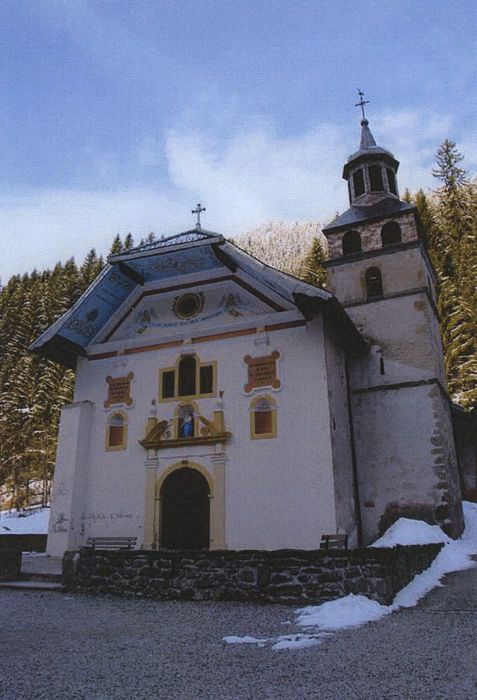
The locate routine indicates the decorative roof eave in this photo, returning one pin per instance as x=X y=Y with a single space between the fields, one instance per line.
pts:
x=337 y=318
x=208 y=239
x=54 y=345
x=367 y=155
x=60 y=350
x=52 y=330
x=282 y=283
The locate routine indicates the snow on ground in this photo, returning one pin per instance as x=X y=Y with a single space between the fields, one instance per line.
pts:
x=33 y=521
x=356 y=610
x=406 y=531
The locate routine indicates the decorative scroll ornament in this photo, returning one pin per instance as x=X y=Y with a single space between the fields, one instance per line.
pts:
x=262 y=372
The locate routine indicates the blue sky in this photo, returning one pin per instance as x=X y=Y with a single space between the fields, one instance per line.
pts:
x=120 y=115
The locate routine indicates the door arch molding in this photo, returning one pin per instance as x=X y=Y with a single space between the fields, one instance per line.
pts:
x=216 y=486
x=181 y=465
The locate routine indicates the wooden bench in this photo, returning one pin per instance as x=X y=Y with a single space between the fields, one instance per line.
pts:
x=334 y=541
x=111 y=543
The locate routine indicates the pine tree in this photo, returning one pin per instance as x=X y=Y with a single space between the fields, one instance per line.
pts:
x=128 y=242
x=117 y=246
x=313 y=270
x=90 y=268
x=450 y=219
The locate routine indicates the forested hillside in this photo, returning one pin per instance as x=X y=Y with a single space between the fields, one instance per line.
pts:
x=450 y=218
x=32 y=390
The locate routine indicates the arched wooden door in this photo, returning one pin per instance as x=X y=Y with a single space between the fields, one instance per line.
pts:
x=185 y=511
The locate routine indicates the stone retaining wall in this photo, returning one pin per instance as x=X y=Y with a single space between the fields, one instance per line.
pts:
x=10 y=563
x=282 y=576
x=26 y=543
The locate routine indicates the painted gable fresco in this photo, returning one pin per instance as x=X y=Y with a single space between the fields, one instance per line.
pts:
x=206 y=306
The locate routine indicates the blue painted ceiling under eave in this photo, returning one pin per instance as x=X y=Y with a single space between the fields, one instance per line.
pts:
x=105 y=298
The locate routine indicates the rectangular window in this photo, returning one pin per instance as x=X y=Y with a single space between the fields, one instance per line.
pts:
x=116 y=435
x=206 y=379
x=376 y=178
x=391 y=181
x=168 y=378
x=263 y=422
x=358 y=183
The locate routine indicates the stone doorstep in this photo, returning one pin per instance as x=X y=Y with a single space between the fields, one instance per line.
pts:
x=33 y=585
x=46 y=578
x=34 y=564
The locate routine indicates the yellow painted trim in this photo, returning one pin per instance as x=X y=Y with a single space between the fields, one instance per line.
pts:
x=216 y=484
x=184 y=464
x=124 y=443
x=273 y=406
x=197 y=394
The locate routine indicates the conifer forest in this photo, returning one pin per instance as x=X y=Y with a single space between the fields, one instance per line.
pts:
x=33 y=390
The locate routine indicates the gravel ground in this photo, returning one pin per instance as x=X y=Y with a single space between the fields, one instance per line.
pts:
x=61 y=646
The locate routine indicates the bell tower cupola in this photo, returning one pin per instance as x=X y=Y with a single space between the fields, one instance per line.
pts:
x=371 y=170
x=376 y=217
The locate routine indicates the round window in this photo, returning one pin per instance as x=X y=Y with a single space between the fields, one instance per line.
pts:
x=188 y=305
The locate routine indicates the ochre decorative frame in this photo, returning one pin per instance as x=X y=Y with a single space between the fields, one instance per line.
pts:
x=262 y=372
x=197 y=394
x=124 y=442
x=123 y=383
x=273 y=410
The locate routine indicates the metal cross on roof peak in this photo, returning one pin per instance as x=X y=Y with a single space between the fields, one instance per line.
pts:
x=198 y=210
x=362 y=102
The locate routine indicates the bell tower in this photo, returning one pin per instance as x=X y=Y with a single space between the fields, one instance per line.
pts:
x=379 y=270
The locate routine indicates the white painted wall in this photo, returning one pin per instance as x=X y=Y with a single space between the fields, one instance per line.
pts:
x=278 y=492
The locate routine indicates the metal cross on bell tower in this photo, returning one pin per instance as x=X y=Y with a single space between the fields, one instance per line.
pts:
x=198 y=210
x=361 y=103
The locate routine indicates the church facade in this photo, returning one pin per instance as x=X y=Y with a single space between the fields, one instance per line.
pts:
x=222 y=404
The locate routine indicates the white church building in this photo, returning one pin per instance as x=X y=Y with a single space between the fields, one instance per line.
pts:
x=223 y=404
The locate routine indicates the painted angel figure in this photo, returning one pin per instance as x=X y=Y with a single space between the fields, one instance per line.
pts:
x=234 y=305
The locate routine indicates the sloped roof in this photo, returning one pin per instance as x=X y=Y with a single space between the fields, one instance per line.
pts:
x=192 y=236
x=387 y=206
x=192 y=251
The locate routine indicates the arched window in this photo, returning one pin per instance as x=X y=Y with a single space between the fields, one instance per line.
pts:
x=374 y=283
x=263 y=418
x=391 y=233
x=116 y=433
x=187 y=376
x=376 y=178
x=351 y=243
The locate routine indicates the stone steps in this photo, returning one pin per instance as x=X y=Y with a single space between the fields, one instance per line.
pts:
x=37 y=576
x=29 y=585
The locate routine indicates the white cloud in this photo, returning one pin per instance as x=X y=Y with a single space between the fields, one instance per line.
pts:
x=251 y=175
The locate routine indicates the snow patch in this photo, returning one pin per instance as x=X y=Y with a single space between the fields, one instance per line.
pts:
x=356 y=610
x=26 y=522
x=406 y=532
x=351 y=611
x=243 y=640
